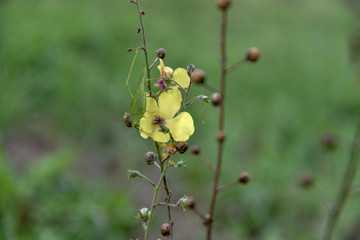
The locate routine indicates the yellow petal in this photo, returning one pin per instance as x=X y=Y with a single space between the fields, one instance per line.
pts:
x=151 y=106
x=169 y=103
x=181 y=127
x=181 y=77
x=160 y=136
x=165 y=72
x=146 y=122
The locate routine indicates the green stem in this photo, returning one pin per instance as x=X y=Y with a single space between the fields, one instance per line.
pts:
x=345 y=188
x=153 y=205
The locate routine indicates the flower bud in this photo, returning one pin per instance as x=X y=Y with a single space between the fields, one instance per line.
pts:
x=190 y=202
x=329 y=142
x=195 y=149
x=190 y=69
x=160 y=53
x=244 y=178
x=133 y=174
x=165 y=229
x=252 y=54
x=129 y=49
x=207 y=220
x=216 y=98
x=143 y=214
x=198 y=76
x=182 y=147
x=220 y=136
x=150 y=157
x=223 y=4
x=305 y=180
x=127 y=120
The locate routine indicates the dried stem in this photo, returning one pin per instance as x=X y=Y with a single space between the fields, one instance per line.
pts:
x=206 y=162
x=144 y=41
x=227 y=186
x=235 y=65
x=345 y=188
x=221 y=121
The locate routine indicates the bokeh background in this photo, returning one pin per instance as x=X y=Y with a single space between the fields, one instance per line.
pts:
x=64 y=149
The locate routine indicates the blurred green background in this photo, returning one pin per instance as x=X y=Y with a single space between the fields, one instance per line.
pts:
x=64 y=150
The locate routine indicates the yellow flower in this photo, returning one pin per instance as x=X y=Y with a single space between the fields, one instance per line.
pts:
x=160 y=118
x=179 y=75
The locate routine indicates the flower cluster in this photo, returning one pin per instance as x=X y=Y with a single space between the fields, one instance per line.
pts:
x=162 y=119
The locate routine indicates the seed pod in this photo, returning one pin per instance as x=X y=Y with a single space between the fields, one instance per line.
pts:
x=198 y=76
x=305 y=180
x=190 y=203
x=207 y=220
x=165 y=229
x=252 y=54
x=216 y=98
x=221 y=136
x=143 y=214
x=244 y=178
x=223 y=4
x=160 y=53
x=150 y=157
x=127 y=120
x=195 y=149
x=182 y=147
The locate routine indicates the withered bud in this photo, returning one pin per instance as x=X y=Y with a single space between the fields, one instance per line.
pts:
x=153 y=95
x=329 y=141
x=190 y=202
x=220 y=136
x=182 y=147
x=165 y=229
x=252 y=54
x=139 y=29
x=223 y=4
x=216 y=98
x=244 y=177
x=207 y=220
x=198 y=76
x=160 y=53
x=150 y=157
x=142 y=13
x=305 y=180
x=129 y=49
x=195 y=149
x=190 y=69
x=127 y=120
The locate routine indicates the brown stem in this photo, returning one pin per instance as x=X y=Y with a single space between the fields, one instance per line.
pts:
x=144 y=41
x=345 y=188
x=221 y=121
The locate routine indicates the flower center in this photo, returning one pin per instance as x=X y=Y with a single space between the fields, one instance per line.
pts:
x=159 y=120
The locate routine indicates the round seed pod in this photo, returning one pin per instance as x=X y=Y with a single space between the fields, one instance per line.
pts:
x=165 y=229
x=223 y=4
x=198 y=76
x=252 y=54
x=160 y=53
x=244 y=178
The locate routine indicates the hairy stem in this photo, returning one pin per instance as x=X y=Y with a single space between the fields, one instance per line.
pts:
x=345 y=188
x=144 y=42
x=221 y=121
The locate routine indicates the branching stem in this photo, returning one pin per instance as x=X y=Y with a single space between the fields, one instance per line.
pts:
x=221 y=121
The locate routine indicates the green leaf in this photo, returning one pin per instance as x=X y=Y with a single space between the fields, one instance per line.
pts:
x=138 y=103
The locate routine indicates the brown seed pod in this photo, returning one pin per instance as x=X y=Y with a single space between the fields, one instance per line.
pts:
x=190 y=203
x=244 y=177
x=207 y=220
x=165 y=229
x=220 y=136
x=216 y=98
x=252 y=54
x=182 y=147
x=127 y=120
x=195 y=149
x=223 y=4
x=198 y=76
x=150 y=158
x=160 y=53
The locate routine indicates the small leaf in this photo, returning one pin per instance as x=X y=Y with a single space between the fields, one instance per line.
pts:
x=138 y=103
x=180 y=164
x=204 y=98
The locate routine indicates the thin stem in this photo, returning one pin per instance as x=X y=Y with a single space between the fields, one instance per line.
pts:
x=235 y=65
x=168 y=195
x=152 y=65
x=166 y=204
x=221 y=121
x=186 y=95
x=144 y=41
x=345 y=188
x=153 y=205
x=147 y=179
x=227 y=186
x=206 y=162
